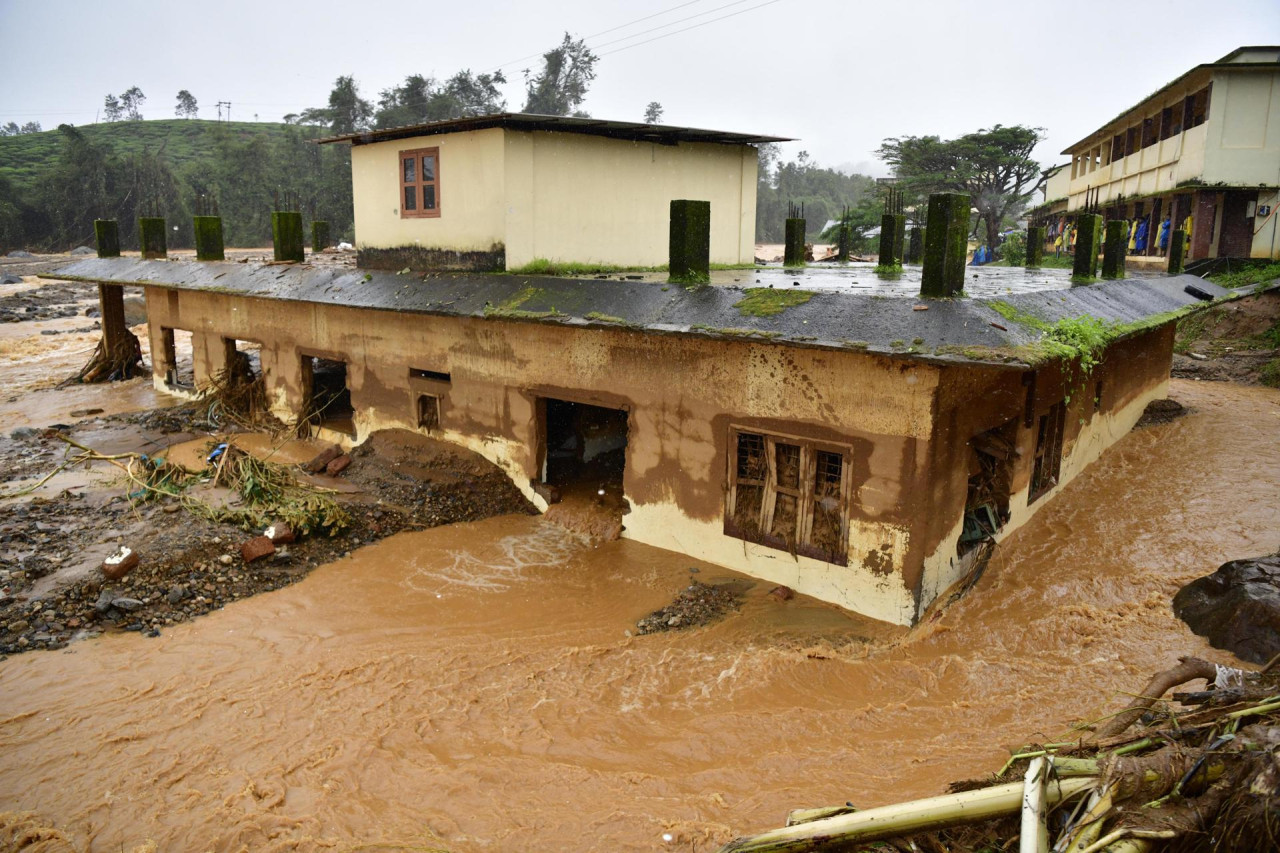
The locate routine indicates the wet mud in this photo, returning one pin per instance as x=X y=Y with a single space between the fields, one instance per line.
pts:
x=473 y=687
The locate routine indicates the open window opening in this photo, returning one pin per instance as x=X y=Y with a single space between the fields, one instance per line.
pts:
x=178 y=358
x=1048 y=458
x=586 y=448
x=428 y=412
x=328 y=395
x=986 y=506
x=244 y=361
x=789 y=493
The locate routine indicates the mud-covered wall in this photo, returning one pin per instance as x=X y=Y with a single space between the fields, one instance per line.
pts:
x=1100 y=409
x=683 y=395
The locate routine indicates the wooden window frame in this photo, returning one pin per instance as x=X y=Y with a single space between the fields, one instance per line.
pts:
x=1046 y=466
x=805 y=494
x=417 y=154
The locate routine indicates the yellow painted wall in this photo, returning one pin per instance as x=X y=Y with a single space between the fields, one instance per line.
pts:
x=1244 y=130
x=559 y=196
x=471 y=188
x=574 y=197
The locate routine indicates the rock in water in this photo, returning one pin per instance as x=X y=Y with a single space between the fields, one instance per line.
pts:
x=1236 y=608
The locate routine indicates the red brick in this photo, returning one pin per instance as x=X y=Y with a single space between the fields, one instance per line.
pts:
x=257 y=548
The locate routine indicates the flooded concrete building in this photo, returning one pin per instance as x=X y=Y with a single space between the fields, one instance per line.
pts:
x=861 y=448
x=500 y=192
x=1203 y=151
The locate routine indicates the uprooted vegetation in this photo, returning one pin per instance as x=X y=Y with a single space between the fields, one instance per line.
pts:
x=1200 y=771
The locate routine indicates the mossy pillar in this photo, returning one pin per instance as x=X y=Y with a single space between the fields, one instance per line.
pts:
x=1177 y=251
x=286 y=235
x=107 y=232
x=320 y=235
x=209 y=238
x=793 y=250
x=152 y=239
x=1035 y=247
x=689 y=246
x=915 y=246
x=1088 y=242
x=946 y=242
x=1113 y=248
x=893 y=234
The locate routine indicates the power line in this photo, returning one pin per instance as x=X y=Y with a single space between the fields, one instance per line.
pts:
x=694 y=27
x=601 y=33
x=671 y=24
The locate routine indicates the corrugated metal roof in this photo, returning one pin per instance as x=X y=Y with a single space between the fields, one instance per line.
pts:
x=829 y=319
x=635 y=131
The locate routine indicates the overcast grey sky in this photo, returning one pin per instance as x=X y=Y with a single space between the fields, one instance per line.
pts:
x=839 y=75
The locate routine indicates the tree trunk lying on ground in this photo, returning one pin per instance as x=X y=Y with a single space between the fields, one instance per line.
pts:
x=1209 y=769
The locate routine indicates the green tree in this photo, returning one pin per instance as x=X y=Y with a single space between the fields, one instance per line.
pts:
x=653 y=113
x=993 y=166
x=111 y=109
x=421 y=99
x=823 y=192
x=859 y=218
x=131 y=101
x=561 y=86
x=187 y=107
x=347 y=112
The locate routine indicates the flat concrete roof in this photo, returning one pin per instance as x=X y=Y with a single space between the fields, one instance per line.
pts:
x=964 y=330
x=634 y=131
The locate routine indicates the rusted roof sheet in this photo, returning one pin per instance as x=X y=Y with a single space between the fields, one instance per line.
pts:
x=661 y=133
x=951 y=330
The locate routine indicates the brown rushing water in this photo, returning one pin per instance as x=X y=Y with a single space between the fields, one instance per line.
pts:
x=472 y=688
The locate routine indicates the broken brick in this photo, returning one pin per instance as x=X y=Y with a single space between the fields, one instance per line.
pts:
x=279 y=533
x=338 y=465
x=782 y=593
x=323 y=458
x=119 y=564
x=257 y=548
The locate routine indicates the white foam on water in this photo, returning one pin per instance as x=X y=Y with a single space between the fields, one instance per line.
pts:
x=458 y=571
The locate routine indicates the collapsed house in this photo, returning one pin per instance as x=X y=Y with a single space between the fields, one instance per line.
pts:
x=862 y=448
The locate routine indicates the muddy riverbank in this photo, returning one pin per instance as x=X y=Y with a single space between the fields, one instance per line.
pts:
x=473 y=687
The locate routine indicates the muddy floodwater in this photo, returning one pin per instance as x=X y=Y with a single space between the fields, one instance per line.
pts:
x=474 y=688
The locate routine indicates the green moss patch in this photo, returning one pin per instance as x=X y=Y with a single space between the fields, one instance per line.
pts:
x=768 y=301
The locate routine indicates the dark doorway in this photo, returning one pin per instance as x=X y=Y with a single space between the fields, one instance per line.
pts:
x=585 y=445
x=1237 y=228
x=329 y=397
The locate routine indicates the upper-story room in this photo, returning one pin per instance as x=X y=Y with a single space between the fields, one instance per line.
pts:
x=500 y=192
x=1217 y=124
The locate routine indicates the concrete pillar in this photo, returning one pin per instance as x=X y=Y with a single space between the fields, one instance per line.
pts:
x=793 y=253
x=1113 y=250
x=915 y=246
x=945 y=245
x=1088 y=242
x=1177 y=248
x=1035 y=246
x=107 y=232
x=319 y=235
x=844 y=243
x=209 y=238
x=893 y=227
x=286 y=234
x=152 y=240
x=689 y=244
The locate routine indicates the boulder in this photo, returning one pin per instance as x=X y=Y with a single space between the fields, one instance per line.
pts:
x=10 y=278
x=19 y=253
x=83 y=250
x=1236 y=608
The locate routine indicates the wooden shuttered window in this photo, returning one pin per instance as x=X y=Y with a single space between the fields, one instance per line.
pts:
x=419 y=183
x=789 y=493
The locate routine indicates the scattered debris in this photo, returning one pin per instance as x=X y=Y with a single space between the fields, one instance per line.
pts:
x=1161 y=412
x=697 y=604
x=119 y=564
x=1208 y=769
